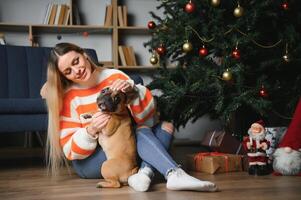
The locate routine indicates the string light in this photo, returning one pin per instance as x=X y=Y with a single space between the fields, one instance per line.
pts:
x=239 y=31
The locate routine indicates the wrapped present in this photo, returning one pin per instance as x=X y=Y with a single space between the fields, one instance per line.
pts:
x=274 y=136
x=221 y=141
x=245 y=163
x=214 y=162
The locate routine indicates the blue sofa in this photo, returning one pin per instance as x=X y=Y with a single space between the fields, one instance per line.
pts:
x=22 y=74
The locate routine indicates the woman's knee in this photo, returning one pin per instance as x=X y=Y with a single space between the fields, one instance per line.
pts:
x=168 y=127
x=141 y=127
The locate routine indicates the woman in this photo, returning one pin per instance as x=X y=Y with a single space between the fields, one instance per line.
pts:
x=73 y=83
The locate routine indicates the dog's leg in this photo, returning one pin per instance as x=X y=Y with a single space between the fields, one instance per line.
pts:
x=112 y=126
x=110 y=170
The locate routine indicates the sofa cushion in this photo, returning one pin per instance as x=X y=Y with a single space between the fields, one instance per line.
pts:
x=23 y=105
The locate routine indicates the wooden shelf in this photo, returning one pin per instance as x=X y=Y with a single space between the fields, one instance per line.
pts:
x=14 y=27
x=120 y=35
x=137 y=67
x=134 y=29
x=71 y=29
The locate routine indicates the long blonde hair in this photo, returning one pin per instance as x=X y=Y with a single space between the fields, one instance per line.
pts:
x=56 y=85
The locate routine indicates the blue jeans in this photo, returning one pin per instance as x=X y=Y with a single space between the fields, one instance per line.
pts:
x=152 y=145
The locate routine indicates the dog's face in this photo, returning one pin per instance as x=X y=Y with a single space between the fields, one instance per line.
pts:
x=109 y=101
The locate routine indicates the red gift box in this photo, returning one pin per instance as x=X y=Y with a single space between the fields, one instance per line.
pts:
x=214 y=162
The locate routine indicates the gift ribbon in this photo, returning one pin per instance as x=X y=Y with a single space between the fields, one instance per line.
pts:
x=200 y=156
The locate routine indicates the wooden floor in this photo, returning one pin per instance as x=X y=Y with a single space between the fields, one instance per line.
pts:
x=31 y=182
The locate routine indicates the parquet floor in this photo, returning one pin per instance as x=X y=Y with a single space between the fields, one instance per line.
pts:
x=21 y=182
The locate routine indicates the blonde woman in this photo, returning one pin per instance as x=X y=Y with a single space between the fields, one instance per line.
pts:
x=73 y=83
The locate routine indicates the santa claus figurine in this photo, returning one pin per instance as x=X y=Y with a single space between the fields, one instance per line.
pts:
x=287 y=157
x=256 y=145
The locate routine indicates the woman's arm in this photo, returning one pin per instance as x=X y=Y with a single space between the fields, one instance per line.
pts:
x=142 y=104
x=79 y=140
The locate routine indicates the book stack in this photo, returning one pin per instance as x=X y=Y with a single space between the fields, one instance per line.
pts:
x=57 y=14
x=122 y=13
x=127 y=55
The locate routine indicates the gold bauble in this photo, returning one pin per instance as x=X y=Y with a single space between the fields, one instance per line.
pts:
x=238 y=11
x=215 y=3
x=153 y=59
x=227 y=75
x=187 y=46
x=286 y=58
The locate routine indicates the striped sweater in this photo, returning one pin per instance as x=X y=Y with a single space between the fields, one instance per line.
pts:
x=77 y=101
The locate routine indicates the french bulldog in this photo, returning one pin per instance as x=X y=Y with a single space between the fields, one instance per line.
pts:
x=117 y=140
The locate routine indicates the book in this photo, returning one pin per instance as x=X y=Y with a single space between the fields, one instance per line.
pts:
x=125 y=15
x=47 y=14
x=52 y=14
x=122 y=56
x=132 y=55
x=120 y=16
x=76 y=15
x=109 y=16
x=128 y=56
x=67 y=15
x=57 y=15
x=62 y=14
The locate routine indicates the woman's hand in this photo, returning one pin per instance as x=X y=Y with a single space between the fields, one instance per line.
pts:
x=99 y=121
x=122 y=85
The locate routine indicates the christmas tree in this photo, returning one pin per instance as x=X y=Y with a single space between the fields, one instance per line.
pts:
x=228 y=55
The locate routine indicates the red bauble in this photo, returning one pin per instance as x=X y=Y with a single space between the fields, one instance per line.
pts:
x=190 y=7
x=203 y=52
x=285 y=6
x=236 y=54
x=161 y=50
x=85 y=34
x=151 y=25
x=263 y=92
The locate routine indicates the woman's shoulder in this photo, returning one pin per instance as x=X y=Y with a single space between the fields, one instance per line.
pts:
x=110 y=71
x=107 y=72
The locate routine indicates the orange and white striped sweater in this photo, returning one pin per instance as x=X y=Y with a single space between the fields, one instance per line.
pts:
x=77 y=101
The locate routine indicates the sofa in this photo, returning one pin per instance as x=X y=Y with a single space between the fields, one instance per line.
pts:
x=22 y=74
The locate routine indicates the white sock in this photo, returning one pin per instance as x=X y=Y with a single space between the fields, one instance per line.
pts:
x=178 y=179
x=141 y=180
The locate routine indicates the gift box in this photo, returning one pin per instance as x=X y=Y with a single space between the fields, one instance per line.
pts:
x=221 y=141
x=274 y=136
x=214 y=162
x=245 y=163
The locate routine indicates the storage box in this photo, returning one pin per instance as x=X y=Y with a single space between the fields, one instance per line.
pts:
x=213 y=162
x=221 y=141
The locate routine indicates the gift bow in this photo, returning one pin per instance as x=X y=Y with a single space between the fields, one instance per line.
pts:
x=200 y=156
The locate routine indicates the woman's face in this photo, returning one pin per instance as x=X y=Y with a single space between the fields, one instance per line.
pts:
x=75 y=67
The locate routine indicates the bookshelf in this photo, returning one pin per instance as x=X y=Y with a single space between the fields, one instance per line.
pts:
x=105 y=37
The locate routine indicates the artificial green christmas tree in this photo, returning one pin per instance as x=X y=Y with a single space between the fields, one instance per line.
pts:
x=229 y=55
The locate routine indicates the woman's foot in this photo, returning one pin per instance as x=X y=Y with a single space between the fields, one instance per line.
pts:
x=141 y=180
x=178 y=179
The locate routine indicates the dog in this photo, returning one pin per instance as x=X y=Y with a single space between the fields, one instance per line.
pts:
x=117 y=140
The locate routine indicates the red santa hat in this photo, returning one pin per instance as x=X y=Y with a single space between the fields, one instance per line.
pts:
x=292 y=137
x=260 y=122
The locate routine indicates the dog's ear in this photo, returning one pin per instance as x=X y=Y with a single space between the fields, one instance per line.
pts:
x=131 y=96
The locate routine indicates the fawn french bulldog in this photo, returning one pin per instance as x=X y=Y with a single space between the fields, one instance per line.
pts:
x=117 y=140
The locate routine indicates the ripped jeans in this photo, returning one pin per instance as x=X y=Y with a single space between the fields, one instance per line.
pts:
x=152 y=146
